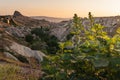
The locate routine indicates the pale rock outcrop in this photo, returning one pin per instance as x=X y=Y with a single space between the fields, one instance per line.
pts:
x=26 y=51
x=18 y=31
x=62 y=31
x=7 y=54
x=111 y=24
x=58 y=32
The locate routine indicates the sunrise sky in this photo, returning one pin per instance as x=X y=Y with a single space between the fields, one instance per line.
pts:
x=61 y=8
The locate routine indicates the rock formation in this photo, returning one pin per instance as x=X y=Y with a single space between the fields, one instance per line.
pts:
x=17 y=13
x=25 y=51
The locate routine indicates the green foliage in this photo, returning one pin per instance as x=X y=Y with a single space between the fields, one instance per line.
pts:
x=39 y=45
x=29 y=38
x=43 y=41
x=94 y=56
x=52 y=43
x=69 y=36
x=63 y=67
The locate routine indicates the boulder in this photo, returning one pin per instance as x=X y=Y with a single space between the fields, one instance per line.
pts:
x=26 y=51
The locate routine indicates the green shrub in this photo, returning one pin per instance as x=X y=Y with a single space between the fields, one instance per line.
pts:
x=44 y=37
x=95 y=55
x=29 y=38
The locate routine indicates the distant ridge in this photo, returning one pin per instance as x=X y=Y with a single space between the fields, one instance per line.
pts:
x=51 y=19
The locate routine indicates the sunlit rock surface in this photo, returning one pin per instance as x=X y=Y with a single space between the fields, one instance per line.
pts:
x=25 y=51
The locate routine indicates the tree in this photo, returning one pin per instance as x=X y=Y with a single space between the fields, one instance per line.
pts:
x=29 y=38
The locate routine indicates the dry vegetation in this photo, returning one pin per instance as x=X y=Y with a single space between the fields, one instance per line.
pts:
x=15 y=70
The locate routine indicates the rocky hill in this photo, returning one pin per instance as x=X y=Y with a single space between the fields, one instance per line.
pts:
x=60 y=30
x=14 y=51
x=17 y=19
x=14 y=47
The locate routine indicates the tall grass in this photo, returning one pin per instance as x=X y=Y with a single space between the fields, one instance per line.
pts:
x=13 y=72
x=9 y=72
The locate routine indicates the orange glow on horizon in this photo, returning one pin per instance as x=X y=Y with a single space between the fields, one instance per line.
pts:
x=61 y=8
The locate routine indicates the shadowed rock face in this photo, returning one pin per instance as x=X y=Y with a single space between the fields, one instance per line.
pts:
x=17 y=13
x=10 y=56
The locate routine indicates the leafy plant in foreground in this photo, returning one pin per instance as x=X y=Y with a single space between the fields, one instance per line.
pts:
x=95 y=55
